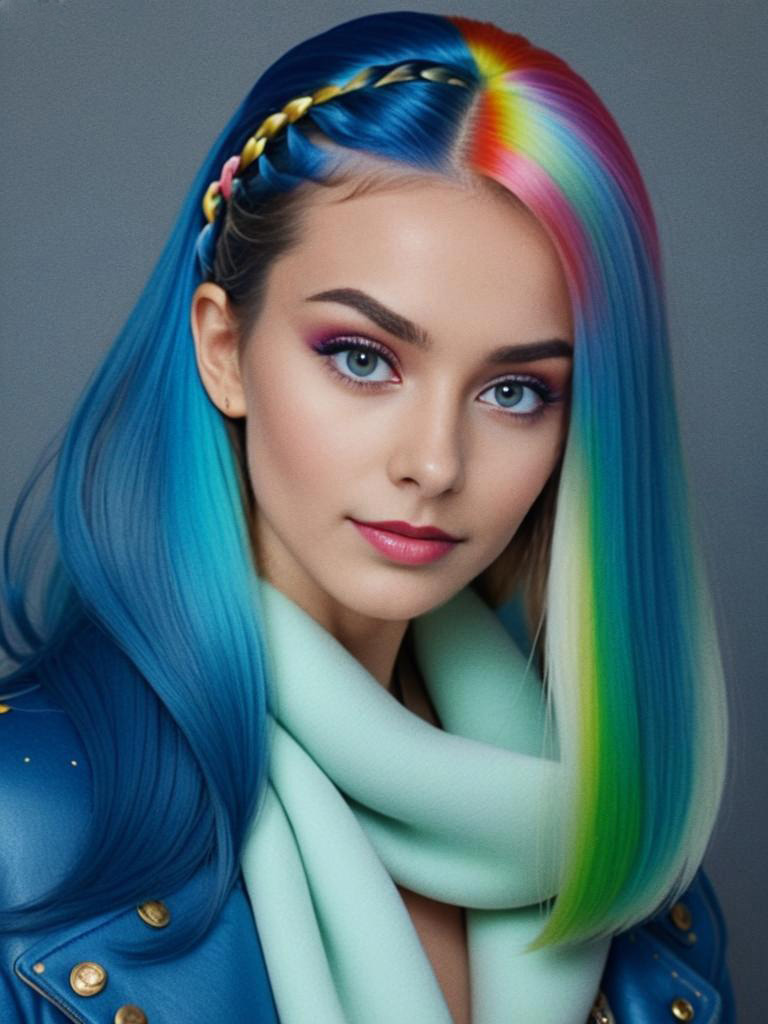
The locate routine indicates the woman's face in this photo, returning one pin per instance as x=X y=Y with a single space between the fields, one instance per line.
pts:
x=411 y=365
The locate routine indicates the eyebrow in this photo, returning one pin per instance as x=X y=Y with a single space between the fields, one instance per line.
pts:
x=392 y=322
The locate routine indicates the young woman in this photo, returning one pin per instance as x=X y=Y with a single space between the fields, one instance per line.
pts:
x=375 y=677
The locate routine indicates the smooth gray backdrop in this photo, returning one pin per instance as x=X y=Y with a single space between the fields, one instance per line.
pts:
x=108 y=107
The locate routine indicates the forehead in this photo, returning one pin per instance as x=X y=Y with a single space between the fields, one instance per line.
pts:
x=441 y=252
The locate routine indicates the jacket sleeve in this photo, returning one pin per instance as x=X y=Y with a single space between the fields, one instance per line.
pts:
x=74 y=973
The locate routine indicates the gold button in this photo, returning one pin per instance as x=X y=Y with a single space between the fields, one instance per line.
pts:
x=154 y=912
x=4 y=708
x=682 y=1009
x=681 y=917
x=39 y=967
x=87 y=978
x=130 y=1014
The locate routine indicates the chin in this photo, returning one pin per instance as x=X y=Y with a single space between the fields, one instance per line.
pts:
x=395 y=600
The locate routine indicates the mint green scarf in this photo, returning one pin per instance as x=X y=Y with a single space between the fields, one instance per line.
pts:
x=364 y=793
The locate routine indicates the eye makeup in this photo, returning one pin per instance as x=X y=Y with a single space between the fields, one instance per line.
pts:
x=341 y=343
x=332 y=343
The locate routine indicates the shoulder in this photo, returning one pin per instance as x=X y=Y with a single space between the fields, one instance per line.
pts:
x=44 y=815
x=676 y=959
x=46 y=791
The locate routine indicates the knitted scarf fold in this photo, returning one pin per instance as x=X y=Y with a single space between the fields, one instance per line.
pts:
x=363 y=793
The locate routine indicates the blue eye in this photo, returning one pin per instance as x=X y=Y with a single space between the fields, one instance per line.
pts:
x=518 y=397
x=357 y=361
x=363 y=363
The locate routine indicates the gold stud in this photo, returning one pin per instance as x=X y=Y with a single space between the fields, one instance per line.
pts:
x=441 y=74
x=327 y=92
x=251 y=151
x=296 y=108
x=682 y=1009
x=4 y=708
x=681 y=917
x=39 y=967
x=402 y=73
x=154 y=913
x=130 y=1014
x=358 y=81
x=211 y=201
x=87 y=978
x=270 y=126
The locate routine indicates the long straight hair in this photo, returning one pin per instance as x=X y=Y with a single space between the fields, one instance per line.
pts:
x=149 y=634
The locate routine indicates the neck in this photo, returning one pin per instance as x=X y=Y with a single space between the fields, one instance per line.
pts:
x=375 y=643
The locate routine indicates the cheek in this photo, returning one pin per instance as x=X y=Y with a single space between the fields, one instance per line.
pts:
x=297 y=445
x=514 y=478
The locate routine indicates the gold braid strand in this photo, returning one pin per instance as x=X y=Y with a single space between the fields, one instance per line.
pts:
x=297 y=108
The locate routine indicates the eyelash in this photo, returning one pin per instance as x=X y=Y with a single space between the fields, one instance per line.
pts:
x=335 y=345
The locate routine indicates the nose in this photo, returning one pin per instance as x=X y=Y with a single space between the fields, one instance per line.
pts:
x=428 y=448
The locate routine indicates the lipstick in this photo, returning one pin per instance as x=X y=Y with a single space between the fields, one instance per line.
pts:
x=398 y=526
x=422 y=544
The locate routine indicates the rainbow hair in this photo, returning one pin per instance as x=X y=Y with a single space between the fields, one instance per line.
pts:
x=149 y=625
x=633 y=666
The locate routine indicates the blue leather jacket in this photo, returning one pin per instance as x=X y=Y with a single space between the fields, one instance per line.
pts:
x=45 y=977
x=654 y=973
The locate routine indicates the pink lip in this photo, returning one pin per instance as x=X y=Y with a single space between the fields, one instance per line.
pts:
x=406 y=550
x=398 y=526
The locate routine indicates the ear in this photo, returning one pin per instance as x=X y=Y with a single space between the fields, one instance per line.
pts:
x=216 y=336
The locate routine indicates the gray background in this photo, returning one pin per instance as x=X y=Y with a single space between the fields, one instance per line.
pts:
x=108 y=107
